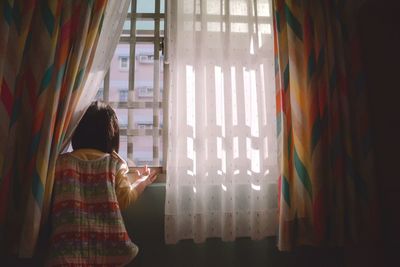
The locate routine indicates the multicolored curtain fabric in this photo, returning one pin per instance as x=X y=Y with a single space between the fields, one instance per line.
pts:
x=46 y=48
x=326 y=187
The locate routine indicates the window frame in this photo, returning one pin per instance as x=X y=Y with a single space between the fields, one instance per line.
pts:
x=134 y=37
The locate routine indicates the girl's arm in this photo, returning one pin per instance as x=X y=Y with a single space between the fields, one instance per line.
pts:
x=128 y=192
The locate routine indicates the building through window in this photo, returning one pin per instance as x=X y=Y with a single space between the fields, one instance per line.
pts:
x=132 y=86
x=123 y=95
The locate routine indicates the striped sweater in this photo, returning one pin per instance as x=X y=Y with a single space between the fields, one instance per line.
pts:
x=87 y=226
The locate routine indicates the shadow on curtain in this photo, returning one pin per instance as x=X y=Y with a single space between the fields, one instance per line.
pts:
x=46 y=49
x=327 y=193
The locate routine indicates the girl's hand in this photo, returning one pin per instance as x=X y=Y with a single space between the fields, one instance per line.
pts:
x=144 y=181
x=152 y=176
x=147 y=175
x=149 y=178
x=144 y=171
x=140 y=172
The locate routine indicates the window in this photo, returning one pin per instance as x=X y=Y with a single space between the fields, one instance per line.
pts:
x=222 y=156
x=137 y=67
x=123 y=63
x=146 y=59
x=145 y=92
x=123 y=95
x=123 y=125
x=144 y=125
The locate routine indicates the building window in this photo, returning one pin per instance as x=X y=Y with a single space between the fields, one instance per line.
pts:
x=144 y=92
x=123 y=125
x=140 y=116
x=123 y=95
x=144 y=125
x=146 y=59
x=123 y=63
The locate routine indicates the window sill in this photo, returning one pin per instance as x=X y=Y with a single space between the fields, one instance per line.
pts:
x=161 y=179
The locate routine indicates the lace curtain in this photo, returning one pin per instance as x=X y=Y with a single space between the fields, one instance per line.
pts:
x=222 y=166
x=113 y=22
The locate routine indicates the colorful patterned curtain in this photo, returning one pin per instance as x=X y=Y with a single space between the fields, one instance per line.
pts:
x=46 y=48
x=326 y=172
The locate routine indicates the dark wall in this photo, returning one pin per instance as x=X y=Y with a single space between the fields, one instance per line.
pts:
x=380 y=36
x=144 y=222
x=380 y=40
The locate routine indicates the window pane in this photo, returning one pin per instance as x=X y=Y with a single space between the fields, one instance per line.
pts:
x=144 y=72
x=238 y=7
x=123 y=95
x=126 y=28
x=143 y=118
x=119 y=72
x=145 y=6
x=162 y=6
x=214 y=7
x=135 y=112
x=145 y=28
x=143 y=150
x=161 y=27
x=263 y=8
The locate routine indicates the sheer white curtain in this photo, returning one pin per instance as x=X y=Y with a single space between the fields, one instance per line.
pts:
x=221 y=160
x=113 y=22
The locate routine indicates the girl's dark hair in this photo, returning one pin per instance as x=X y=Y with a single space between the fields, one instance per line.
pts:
x=98 y=129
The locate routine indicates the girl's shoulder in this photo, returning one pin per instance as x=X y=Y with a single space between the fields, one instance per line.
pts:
x=117 y=157
x=120 y=161
x=64 y=156
x=64 y=160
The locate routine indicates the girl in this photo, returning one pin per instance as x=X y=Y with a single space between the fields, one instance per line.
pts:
x=90 y=187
